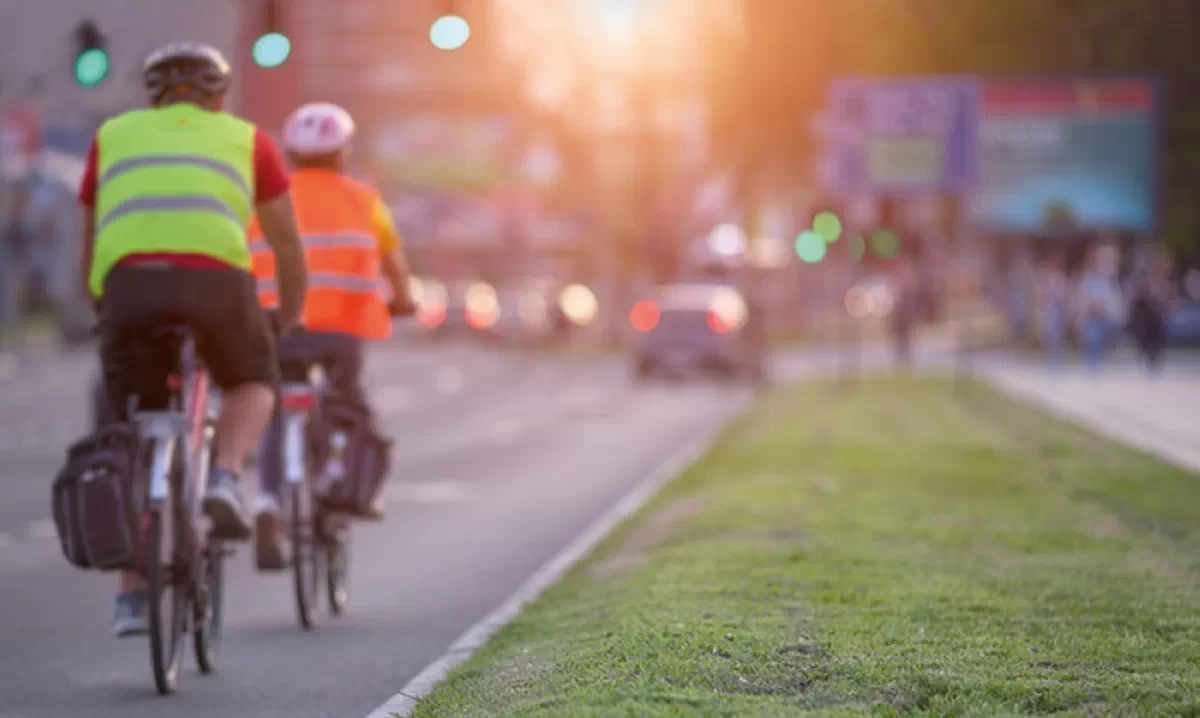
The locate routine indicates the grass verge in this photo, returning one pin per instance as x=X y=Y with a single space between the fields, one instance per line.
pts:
x=911 y=548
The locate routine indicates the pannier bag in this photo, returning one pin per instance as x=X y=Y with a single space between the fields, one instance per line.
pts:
x=94 y=509
x=351 y=459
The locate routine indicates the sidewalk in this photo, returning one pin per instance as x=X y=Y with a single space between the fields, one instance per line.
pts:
x=1159 y=415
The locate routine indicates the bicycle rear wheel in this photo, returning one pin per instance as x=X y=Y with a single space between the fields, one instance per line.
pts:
x=168 y=602
x=336 y=542
x=209 y=607
x=306 y=554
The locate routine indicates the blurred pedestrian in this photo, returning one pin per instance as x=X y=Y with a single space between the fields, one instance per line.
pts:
x=1054 y=299
x=1102 y=306
x=1153 y=295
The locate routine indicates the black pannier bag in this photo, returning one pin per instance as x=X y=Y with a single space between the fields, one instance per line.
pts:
x=351 y=460
x=94 y=508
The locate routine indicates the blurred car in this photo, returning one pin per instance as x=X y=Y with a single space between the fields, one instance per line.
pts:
x=698 y=327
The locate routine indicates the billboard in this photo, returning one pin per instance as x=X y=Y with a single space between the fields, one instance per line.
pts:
x=1066 y=153
x=898 y=136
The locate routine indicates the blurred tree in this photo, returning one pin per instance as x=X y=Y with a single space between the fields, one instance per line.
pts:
x=766 y=87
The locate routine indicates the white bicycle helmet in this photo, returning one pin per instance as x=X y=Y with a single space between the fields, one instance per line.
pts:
x=318 y=128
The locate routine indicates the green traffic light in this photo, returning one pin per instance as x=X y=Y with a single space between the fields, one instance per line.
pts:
x=885 y=243
x=828 y=226
x=449 y=32
x=810 y=247
x=272 y=49
x=91 y=67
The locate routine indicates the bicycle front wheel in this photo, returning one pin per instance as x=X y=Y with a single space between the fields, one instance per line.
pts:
x=209 y=607
x=306 y=554
x=168 y=602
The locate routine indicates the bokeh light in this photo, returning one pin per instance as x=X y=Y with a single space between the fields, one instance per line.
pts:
x=579 y=304
x=644 y=315
x=727 y=240
x=885 y=243
x=858 y=247
x=449 y=32
x=810 y=247
x=828 y=226
x=272 y=49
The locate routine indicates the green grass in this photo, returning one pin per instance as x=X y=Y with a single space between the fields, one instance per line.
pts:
x=913 y=548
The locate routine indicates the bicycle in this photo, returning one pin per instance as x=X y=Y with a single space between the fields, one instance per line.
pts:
x=176 y=556
x=319 y=539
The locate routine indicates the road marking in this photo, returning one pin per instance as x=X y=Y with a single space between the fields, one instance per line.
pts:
x=448 y=380
x=477 y=635
x=40 y=529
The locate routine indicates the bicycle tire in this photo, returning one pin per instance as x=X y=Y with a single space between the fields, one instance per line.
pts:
x=337 y=568
x=305 y=556
x=166 y=642
x=209 y=608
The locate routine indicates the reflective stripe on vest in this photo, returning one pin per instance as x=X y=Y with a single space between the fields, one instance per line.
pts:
x=180 y=203
x=332 y=280
x=357 y=240
x=161 y=160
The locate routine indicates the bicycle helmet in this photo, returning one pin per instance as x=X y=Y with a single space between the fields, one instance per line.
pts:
x=191 y=64
x=318 y=128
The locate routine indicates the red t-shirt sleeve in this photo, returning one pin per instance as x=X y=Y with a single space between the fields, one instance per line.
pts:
x=270 y=173
x=87 y=187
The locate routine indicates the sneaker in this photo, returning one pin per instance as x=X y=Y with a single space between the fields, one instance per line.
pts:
x=223 y=504
x=130 y=618
x=268 y=535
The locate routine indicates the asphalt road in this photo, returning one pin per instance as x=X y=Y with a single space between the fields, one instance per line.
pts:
x=500 y=460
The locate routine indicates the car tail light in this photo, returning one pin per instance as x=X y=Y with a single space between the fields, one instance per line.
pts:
x=431 y=316
x=716 y=322
x=298 y=398
x=727 y=312
x=644 y=315
x=483 y=319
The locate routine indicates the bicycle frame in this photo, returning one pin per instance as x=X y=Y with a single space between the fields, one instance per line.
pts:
x=297 y=402
x=164 y=429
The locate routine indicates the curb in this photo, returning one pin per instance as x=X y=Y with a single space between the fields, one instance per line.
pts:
x=403 y=702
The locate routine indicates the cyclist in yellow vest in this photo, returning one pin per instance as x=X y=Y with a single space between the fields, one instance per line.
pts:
x=169 y=192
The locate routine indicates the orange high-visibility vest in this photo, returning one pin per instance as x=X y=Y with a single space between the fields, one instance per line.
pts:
x=346 y=291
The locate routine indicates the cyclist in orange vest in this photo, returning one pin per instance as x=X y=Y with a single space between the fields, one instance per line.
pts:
x=353 y=253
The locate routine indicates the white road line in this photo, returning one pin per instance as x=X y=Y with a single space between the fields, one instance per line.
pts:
x=41 y=529
x=468 y=643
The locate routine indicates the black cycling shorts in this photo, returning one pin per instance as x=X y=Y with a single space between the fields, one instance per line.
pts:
x=219 y=305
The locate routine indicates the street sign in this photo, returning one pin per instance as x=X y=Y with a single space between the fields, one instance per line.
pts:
x=904 y=135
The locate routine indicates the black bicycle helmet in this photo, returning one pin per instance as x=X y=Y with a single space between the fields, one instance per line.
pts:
x=190 y=64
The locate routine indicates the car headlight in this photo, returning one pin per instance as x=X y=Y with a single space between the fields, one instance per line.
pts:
x=483 y=305
x=578 y=304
